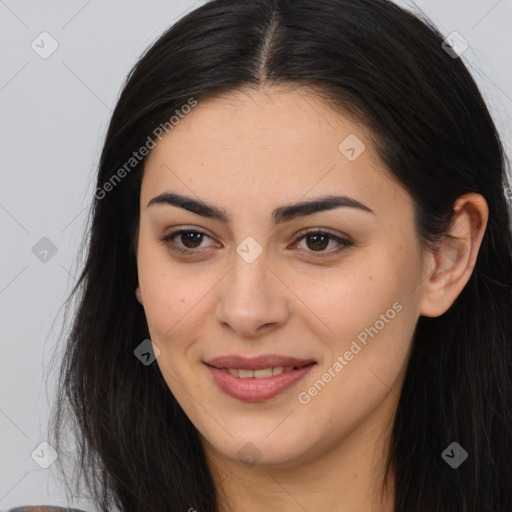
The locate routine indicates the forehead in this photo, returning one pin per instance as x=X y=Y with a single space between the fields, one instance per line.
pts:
x=268 y=147
x=264 y=120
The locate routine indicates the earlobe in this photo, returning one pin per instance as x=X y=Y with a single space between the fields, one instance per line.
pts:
x=138 y=294
x=455 y=257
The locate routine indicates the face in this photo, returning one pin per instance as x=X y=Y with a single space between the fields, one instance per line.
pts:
x=337 y=286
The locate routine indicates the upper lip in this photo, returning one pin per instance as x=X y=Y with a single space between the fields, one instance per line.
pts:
x=257 y=362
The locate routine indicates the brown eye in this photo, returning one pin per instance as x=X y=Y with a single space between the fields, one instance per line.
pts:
x=188 y=240
x=317 y=241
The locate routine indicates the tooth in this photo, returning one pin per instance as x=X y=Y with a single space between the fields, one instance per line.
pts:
x=277 y=370
x=288 y=368
x=265 y=372
x=245 y=374
x=233 y=372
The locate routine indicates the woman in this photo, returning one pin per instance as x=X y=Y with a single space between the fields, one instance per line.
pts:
x=297 y=293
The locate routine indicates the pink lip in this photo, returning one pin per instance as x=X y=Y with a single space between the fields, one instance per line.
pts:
x=258 y=362
x=257 y=390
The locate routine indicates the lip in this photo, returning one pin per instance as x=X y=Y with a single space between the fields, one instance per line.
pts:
x=257 y=362
x=254 y=389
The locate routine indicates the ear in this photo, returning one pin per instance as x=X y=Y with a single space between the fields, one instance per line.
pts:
x=451 y=265
x=138 y=294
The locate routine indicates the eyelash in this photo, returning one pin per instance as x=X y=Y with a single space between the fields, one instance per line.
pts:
x=344 y=243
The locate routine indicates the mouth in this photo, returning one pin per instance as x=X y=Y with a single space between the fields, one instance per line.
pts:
x=261 y=362
x=261 y=373
x=258 y=384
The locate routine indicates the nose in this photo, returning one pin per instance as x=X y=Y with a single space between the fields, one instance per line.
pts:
x=253 y=300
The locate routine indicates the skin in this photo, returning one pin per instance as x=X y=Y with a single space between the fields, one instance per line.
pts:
x=249 y=153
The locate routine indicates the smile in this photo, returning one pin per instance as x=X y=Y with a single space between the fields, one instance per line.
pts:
x=258 y=374
x=257 y=385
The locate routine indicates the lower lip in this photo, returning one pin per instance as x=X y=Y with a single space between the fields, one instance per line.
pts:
x=257 y=390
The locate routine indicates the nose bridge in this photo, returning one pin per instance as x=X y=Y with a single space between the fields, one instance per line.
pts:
x=250 y=268
x=251 y=297
x=249 y=278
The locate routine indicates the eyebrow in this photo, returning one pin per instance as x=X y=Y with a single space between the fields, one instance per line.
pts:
x=279 y=215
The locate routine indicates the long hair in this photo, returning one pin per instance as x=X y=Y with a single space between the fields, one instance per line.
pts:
x=386 y=67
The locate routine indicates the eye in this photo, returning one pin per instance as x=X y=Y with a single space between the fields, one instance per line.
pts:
x=189 y=238
x=318 y=239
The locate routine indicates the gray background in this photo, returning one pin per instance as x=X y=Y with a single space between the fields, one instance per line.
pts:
x=54 y=113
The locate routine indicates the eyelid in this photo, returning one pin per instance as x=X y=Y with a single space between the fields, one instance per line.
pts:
x=327 y=231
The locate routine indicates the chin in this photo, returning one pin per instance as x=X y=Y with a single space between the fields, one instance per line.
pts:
x=259 y=450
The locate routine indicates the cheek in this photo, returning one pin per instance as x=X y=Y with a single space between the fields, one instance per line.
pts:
x=365 y=313
x=365 y=367
x=347 y=299
x=170 y=303
x=175 y=297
